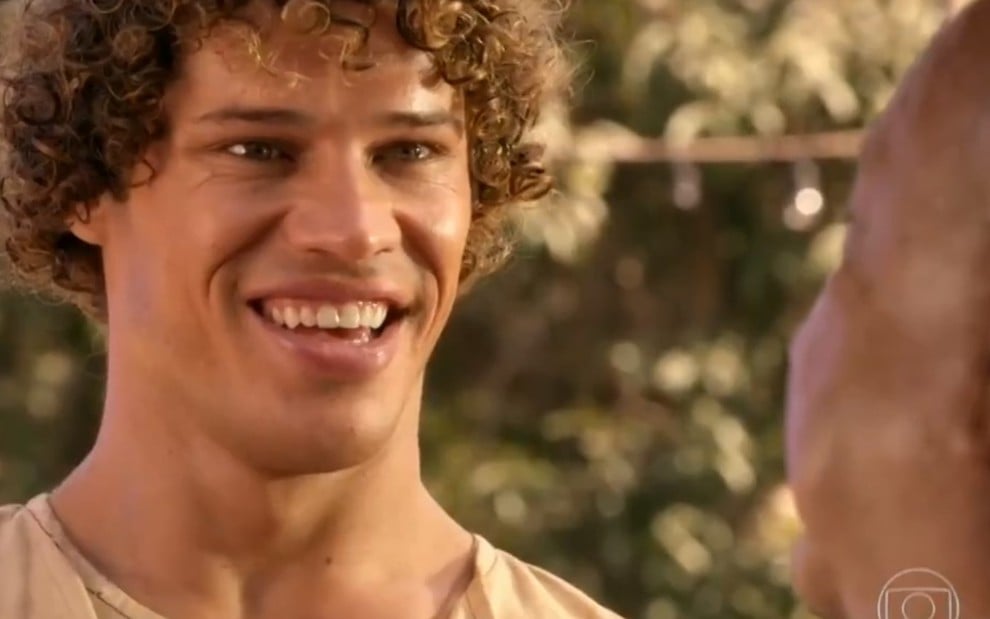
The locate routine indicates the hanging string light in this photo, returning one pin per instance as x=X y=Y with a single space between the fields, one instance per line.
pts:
x=687 y=185
x=808 y=202
x=687 y=188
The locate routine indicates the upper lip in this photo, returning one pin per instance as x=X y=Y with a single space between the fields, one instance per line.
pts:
x=335 y=292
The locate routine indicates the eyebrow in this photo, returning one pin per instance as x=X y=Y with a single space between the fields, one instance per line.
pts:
x=258 y=115
x=290 y=117
x=416 y=120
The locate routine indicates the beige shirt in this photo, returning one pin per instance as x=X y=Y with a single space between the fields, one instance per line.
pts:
x=43 y=576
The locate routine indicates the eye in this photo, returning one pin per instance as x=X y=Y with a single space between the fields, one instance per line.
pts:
x=407 y=152
x=258 y=150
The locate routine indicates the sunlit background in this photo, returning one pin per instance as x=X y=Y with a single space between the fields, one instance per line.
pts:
x=610 y=405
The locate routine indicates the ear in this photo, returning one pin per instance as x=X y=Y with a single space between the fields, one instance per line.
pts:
x=88 y=222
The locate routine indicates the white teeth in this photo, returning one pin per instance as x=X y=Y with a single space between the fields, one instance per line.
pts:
x=379 y=318
x=307 y=317
x=290 y=317
x=326 y=317
x=369 y=315
x=350 y=316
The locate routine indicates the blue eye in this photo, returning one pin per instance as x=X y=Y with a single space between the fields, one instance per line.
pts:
x=408 y=152
x=258 y=151
x=413 y=151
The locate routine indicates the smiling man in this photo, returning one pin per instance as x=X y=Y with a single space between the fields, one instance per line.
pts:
x=272 y=207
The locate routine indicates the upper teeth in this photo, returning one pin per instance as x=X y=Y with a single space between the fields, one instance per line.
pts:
x=370 y=315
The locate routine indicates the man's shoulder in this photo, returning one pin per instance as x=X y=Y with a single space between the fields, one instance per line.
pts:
x=15 y=532
x=513 y=586
x=7 y=512
x=36 y=581
x=19 y=543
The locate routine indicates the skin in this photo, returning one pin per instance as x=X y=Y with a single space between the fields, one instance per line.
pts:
x=887 y=434
x=229 y=480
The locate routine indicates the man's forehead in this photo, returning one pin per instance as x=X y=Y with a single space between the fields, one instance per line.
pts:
x=283 y=64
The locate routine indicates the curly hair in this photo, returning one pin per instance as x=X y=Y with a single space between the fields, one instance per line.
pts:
x=83 y=96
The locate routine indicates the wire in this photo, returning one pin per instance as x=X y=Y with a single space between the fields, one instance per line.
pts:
x=745 y=149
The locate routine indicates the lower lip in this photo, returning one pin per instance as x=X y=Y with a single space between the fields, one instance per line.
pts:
x=331 y=357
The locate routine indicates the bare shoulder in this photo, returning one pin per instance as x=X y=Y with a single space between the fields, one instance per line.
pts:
x=514 y=588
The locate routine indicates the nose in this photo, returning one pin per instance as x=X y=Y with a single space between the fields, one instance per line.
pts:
x=340 y=210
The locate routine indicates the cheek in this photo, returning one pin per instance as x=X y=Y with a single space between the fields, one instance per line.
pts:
x=235 y=219
x=222 y=220
x=185 y=233
x=435 y=222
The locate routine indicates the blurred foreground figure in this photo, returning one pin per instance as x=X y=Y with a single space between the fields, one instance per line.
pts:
x=888 y=418
x=272 y=205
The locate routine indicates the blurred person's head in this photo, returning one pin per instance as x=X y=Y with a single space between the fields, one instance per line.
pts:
x=272 y=204
x=888 y=448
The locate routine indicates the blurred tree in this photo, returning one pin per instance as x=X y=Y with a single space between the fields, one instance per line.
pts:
x=609 y=405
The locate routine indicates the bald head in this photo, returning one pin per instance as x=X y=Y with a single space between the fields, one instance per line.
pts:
x=887 y=404
x=921 y=203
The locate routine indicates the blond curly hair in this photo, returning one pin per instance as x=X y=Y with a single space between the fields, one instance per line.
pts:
x=84 y=80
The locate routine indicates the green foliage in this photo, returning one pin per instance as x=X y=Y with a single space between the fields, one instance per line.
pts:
x=609 y=406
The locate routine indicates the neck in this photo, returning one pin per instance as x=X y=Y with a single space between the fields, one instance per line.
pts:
x=189 y=530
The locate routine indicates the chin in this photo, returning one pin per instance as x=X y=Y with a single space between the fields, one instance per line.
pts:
x=323 y=441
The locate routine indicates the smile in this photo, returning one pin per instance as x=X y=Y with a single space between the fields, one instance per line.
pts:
x=347 y=340
x=360 y=320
